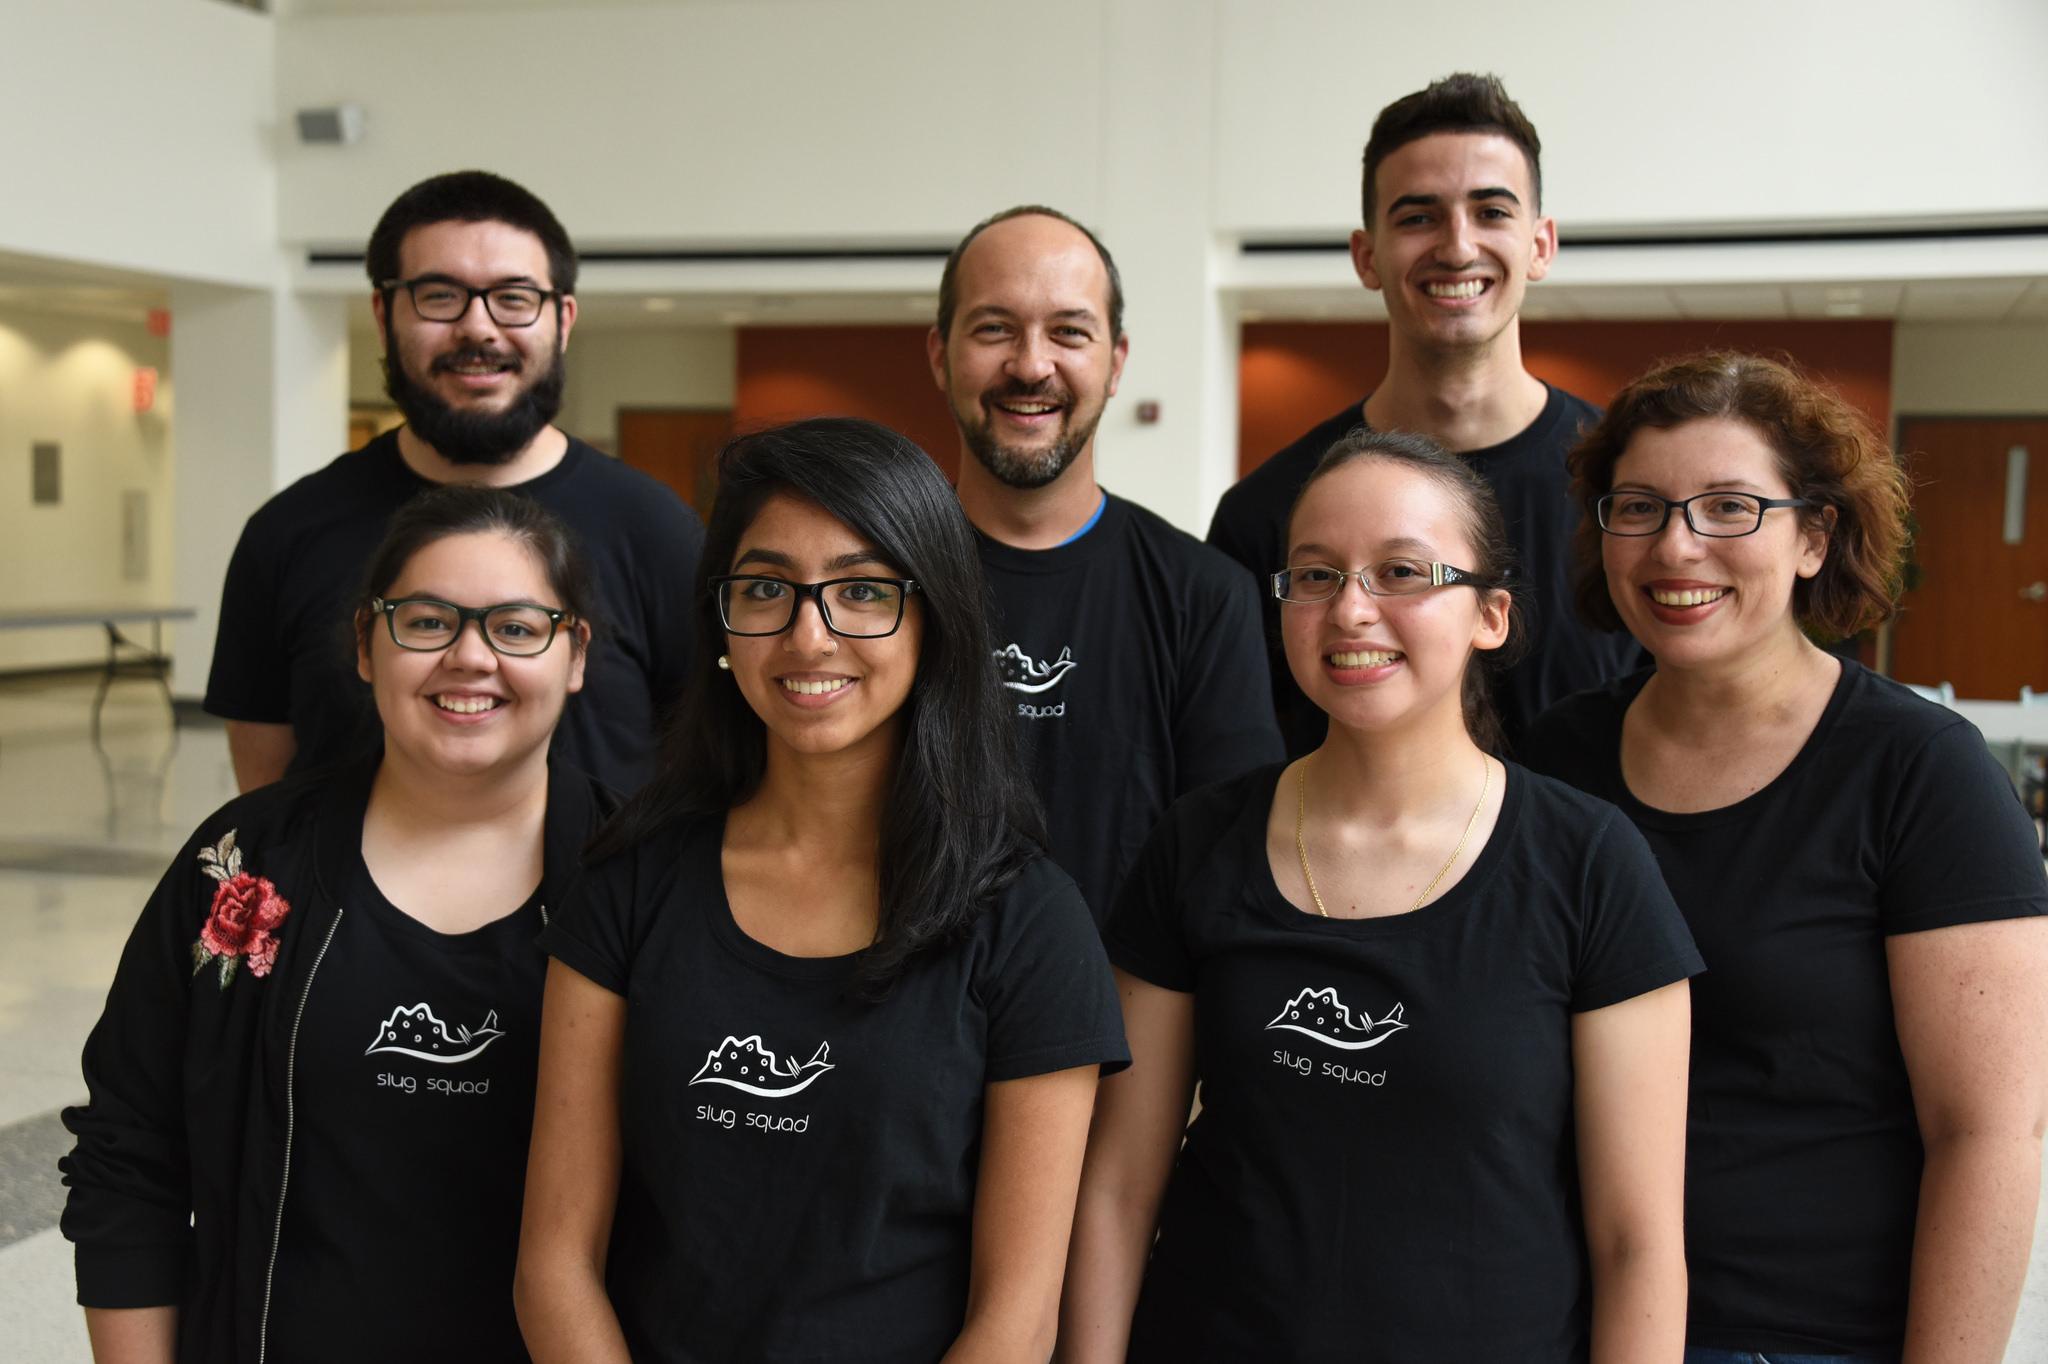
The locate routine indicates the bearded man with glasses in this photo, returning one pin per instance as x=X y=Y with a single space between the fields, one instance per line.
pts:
x=474 y=296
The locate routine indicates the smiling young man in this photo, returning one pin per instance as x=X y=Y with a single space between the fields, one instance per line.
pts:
x=1454 y=234
x=1130 y=651
x=474 y=285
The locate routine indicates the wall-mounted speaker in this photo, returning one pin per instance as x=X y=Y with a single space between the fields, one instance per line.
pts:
x=339 y=125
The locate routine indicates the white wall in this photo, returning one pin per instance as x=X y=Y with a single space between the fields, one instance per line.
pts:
x=905 y=120
x=1942 y=369
x=140 y=135
x=71 y=380
x=263 y=400
x=1739 y=112
x=719 y=121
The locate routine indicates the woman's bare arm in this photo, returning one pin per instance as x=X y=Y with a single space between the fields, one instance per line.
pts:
x=1971 y=1006
x=1033 y=1134
x=132 y=1335
x=1630 y=1061
x=1140 y=1117
x=572 y=1177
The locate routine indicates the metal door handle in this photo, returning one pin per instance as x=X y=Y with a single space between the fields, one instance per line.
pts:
x=2035 y=591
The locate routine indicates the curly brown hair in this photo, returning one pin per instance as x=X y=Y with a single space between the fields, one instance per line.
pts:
x=1828 y=450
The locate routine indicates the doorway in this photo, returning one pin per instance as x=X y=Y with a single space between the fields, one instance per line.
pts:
x=1978 y=616
x=678 y=446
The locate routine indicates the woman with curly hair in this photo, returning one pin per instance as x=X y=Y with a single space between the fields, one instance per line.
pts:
x=1869 y=1061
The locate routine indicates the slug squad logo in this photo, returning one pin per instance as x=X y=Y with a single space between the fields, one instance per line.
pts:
x=745 y=1063
x=1024 y=674
x=1321 y=1015
x=415 y=1031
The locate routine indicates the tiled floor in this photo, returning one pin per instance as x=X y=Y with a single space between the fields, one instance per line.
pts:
x=84 y=835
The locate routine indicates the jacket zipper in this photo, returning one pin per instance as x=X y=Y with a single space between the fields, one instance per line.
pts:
x=291 y=1062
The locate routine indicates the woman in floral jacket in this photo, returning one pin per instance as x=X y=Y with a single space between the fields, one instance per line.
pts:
x=312 y=1086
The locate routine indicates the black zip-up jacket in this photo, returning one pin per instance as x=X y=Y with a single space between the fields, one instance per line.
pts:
x=181 y=1169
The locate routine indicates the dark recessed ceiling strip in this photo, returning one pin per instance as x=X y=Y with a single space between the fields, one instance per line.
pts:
x=1815 y=236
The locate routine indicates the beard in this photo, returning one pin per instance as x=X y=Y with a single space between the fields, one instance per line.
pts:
x=1018 y=466
x=461 y=436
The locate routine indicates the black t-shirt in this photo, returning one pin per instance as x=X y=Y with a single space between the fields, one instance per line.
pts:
x=284 y=652
x=412 y=1081
x=1383 y=1168
x=1133 y=658
x=799 y=1166
x=1527 y=474
x=1803 y=1155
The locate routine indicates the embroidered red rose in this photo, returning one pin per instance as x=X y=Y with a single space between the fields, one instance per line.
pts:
x=244 y=918
x=245 y=909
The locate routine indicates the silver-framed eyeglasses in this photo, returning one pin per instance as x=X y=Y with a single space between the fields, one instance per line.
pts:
x=1307 y=583
x=857 y=608
x=1721 y=516
x=440 y=299
x=427 y=625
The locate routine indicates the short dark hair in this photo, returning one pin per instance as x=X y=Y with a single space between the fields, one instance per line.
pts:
x=1493 y=554
x=434 y=514
x=1828 y=451
x=470 y=196
x=1459 y=103
x=961 y=819
x=949 y=278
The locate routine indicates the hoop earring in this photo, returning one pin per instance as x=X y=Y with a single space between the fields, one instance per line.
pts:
x=724 y=663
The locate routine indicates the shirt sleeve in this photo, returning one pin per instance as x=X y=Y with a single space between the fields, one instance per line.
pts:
x=1959 y=846
x=596 y=931
x=129 y=1210
x=1051 y=1002
x=1632 y=937
x=1223 y=723
x=251 y=674
x=1146 y=934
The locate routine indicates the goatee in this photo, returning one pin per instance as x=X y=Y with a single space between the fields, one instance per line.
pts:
x=461 y=436
x=1025 y=468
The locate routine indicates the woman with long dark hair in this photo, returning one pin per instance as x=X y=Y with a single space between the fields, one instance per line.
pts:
x=1870 y=1065
x=824 y=1026
x=311 y=1090
x=1437 y=1004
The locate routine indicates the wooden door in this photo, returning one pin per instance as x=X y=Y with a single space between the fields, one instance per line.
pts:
x=1979 y=617
x=678 y=446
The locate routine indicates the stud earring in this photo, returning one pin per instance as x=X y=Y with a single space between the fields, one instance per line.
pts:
x=724 y=663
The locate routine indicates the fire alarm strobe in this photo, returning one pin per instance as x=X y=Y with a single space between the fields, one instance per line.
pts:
x=341 y=124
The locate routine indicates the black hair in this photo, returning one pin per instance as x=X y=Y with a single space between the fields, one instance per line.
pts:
x=1459 y=103
x=470 y=196
x=960 y=819
x=448 y=509
x=1493 y=554
x=949 y=278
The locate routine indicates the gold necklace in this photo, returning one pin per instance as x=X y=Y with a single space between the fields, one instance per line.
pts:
x=1301 y=849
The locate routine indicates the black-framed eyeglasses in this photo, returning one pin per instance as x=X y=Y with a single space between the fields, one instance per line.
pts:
x=1722 y=516
x=426 y=625
x=440 y=299
x=1306 y=583
x=858 y=608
